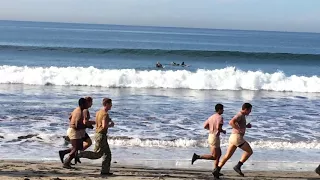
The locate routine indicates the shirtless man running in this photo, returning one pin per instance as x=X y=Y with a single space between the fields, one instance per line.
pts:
x=87 y=142
x=236 y=140
x=86 y=138
x=214 y=125
x=75 y=132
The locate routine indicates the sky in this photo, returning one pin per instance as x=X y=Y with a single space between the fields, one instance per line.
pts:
x=274 y=15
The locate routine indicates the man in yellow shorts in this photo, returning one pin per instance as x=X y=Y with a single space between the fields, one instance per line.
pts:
x=236 y=140
x=214 y=125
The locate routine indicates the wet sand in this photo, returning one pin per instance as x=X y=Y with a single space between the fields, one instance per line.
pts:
x=24 y=170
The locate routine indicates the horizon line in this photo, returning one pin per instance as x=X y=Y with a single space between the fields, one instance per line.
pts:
x=155 y=26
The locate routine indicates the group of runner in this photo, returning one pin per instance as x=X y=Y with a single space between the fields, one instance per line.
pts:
x=80 y=140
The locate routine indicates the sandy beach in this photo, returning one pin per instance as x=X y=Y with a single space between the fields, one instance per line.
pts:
x=54 y=171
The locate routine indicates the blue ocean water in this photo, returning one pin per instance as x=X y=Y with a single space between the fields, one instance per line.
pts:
x=46 y=67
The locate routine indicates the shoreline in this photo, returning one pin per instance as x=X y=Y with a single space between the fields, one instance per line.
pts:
x=49 y=170
x=185 y=164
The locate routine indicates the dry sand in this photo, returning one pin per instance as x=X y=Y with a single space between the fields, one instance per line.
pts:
x=53 y=171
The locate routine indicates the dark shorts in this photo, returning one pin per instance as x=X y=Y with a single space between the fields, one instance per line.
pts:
x=241 y=144
x=86 y=136
x=67 y=139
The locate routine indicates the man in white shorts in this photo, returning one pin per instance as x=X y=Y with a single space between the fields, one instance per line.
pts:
x=214 y=125
x=76 y=132
x=236 y=140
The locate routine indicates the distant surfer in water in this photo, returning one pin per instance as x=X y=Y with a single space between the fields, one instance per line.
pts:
x=158 y=65
x=184 y=65
x=174 y=64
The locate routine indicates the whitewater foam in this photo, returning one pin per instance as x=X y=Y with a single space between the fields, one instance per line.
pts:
x=177 y=143
x=228 y=78
x=184 y=143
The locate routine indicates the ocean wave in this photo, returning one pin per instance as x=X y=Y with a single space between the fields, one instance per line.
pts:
x=153 y=142
x=185 y=143
x=167 y=52
x=228 y=78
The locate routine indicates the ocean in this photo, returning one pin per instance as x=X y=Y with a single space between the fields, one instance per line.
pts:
x=159 y=113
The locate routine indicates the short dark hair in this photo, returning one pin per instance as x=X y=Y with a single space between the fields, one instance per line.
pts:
x=82 y=102
x=218 y=107
x=88 y=98
x=246 y=106
x=106 y=101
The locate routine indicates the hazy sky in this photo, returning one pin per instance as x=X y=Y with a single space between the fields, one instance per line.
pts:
x=282 y=15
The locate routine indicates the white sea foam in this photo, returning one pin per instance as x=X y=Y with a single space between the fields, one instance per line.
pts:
x=184 y=143
x=178 y=143
x=220 y=79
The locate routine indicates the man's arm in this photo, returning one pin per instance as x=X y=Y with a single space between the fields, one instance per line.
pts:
x=76 y=118
x=220 y=124
x=85 y=117
x=206 y=125
x=86 y=121
x=107 y=122
x=221 y=130
x=234 y=123
x=111 y=123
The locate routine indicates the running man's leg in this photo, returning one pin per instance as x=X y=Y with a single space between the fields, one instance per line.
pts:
x=77 y=145
x=62 y=153
x=106 y=160
x=217 y=156
x=98 y=148
x=87 y=142
x=204 y=156
x=246 y=154
x=214 y=143
x=230 y=151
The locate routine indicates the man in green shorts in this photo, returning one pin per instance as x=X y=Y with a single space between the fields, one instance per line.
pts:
x=101 y=149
